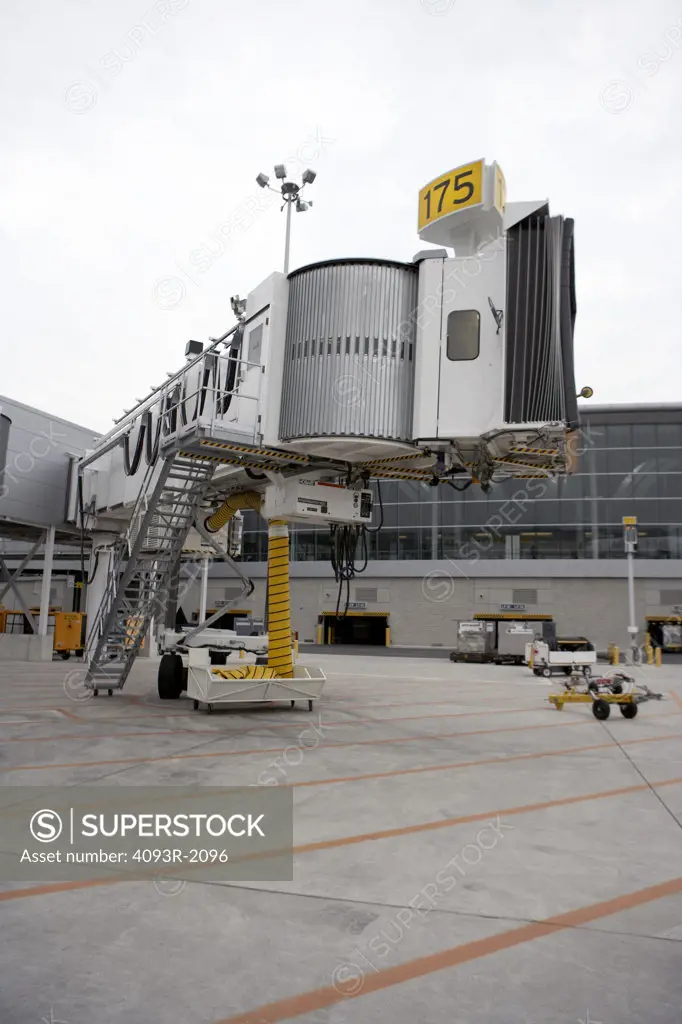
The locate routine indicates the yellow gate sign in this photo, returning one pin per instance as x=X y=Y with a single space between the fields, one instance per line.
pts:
x=460 y=189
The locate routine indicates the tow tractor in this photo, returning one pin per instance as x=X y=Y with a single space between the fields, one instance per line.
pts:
x=569 y=655
x=602 y=692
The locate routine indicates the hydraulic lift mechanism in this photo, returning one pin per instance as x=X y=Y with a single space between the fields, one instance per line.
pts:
x=452 y=370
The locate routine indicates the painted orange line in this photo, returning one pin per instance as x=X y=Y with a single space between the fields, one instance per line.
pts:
x=278 y=750
x=320 y=998
x=86 y=737
x=262 y=716
x=269 y=725
x=39 y=707
x=676 y=698
x=328 y=844
x=467 y=819
x=475 y=764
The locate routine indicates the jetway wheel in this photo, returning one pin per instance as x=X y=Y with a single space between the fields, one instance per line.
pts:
x=170 y=677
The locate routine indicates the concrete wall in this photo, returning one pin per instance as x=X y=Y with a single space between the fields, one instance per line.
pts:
x=423 y=610
x=33 y=485
x=61 y=595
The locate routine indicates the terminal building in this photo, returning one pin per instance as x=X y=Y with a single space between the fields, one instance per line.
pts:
x=552 y=546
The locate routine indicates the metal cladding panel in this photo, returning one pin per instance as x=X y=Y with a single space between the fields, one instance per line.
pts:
x=350 y=351
x=540 y=318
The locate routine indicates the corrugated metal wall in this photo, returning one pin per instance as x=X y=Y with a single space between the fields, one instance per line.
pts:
x=350 y=351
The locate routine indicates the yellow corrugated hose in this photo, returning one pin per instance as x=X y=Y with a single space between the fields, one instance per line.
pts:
x=279 y=604
x=280 y=658
x=231 y=505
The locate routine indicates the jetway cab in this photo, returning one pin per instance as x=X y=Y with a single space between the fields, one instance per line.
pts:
x=448 y=366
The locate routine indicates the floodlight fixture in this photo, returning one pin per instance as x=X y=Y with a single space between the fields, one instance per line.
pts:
x=308 y=176
x=263 y=180
x=280 y=171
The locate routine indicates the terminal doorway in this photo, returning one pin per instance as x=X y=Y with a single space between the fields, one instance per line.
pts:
x=366 y=629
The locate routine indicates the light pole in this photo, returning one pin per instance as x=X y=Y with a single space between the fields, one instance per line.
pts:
x=291 y=194
x=630 y=538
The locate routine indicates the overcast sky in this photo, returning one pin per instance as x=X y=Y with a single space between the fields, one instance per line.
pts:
x=132 y=133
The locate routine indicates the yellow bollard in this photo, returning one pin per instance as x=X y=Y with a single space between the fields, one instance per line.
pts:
x=615 y=656
x=659 y=656
x=649 y=655
x=241 y=653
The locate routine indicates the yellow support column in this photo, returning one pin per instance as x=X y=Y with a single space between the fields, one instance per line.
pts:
x=279 y=604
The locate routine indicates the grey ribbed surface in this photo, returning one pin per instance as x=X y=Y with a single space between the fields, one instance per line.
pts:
x=350 y=351
x=539 y=373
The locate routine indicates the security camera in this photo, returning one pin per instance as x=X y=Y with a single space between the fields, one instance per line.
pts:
x=262 y=180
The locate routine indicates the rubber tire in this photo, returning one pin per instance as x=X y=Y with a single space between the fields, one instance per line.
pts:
x=628 y=710
x=209 y=709
x=568 y=671
x=95 y=693
x=601 y=710
x=185 y=675
x=110 y=693
x=169 y=680
x=546 y=673
x=310 y=705
x=196 y=705
x=65 y=655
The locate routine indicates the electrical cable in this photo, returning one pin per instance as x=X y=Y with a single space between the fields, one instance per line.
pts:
x=81 y=516
x=344 y=551
x=454 y=486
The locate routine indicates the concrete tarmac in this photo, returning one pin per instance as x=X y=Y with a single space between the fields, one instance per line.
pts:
x=463 y=852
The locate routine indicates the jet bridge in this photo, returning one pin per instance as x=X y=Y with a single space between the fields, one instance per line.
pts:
x=449 y=369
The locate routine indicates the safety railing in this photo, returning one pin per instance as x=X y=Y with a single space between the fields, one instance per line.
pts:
x=215 y=390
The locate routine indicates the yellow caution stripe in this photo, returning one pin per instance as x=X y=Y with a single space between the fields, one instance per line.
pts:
x=535 y=451
x=252 y=450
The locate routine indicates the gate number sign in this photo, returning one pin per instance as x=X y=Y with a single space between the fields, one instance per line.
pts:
x=458 y=190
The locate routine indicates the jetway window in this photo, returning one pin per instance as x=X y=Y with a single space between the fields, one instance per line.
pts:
x=464 y=334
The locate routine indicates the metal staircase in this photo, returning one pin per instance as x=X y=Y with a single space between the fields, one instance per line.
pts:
x=138 y=584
